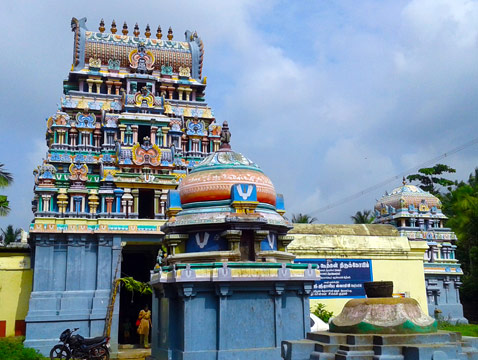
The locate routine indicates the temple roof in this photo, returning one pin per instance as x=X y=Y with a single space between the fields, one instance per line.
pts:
x=213 y=178
x=406 y=195
x=114 y=47
x=225 y=159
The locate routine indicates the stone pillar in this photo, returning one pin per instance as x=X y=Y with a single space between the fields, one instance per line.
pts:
x=117 y=87
x=233 y=238
x=62 y=200
x=180 y=92
x=81 y=85
x=46 y=202
x=127 y=202
x=163 y=200
x=109 y=204
x=188 y=93
x=204 y=145
x=118 y=194
x=173 y=240
x=135 y=133
x=171 y=92
x=283 y=241
x=163 y=88
x=93 y=201
x=103 y=277
x=43 y=262
x=259 y=235
x=154 y=130
x=73 y=273
x=98 y=83
x=157 y=208
x=135 y=193
x=115 y=269
x=109 y=84
x=90 y=83
x=165 y=131
x=122 y=128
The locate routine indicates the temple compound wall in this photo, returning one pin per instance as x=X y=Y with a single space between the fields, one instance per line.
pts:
x=15 y=287
x=386 y=254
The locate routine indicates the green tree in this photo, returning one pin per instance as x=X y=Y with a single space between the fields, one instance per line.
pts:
x=5 y=180
x=303 y=219
x=363 y=217
x=10 y=234
x=461 y=206
x=429 y=178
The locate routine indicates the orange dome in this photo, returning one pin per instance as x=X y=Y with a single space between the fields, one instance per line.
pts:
x=213 y=178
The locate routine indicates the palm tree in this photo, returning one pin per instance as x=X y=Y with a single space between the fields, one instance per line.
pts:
x=303 y=219
x=5 y=179
x=363 y=217
x=10 y=234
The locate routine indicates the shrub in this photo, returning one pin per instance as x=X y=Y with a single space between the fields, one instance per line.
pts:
x=11 y=348
x=322 y=314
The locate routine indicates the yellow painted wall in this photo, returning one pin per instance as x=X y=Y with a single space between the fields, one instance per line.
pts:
x=407 y=276
x=394 y=258
x=16 y=278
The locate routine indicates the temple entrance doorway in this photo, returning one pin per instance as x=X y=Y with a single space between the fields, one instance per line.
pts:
x=137 y=262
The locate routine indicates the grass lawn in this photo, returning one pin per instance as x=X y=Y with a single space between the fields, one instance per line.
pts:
x=11 y=348
x=465 y=330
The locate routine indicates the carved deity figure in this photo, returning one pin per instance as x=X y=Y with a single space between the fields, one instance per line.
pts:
x=141 y=60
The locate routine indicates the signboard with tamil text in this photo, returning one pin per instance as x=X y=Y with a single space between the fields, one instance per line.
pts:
x=340 y=277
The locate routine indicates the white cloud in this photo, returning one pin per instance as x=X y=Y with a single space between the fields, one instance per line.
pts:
x=328 y=98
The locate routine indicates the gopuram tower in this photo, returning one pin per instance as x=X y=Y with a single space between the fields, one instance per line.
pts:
x=417 y=215
x=131 y=123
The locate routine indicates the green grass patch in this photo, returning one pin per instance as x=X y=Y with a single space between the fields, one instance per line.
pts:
x=465 y=330
x=11 y=348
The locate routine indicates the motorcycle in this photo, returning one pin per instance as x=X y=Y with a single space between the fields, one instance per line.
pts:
x=77 y=347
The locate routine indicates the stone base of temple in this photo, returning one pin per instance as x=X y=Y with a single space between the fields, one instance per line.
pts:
x=230 y=310
x=43 y=332
x=326 y=345
x=443 y=294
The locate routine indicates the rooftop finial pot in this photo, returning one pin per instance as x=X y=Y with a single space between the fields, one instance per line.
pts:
x=378 y=289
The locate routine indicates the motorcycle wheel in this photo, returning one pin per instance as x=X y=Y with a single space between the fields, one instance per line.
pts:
x=60 y=352
x=101 y=353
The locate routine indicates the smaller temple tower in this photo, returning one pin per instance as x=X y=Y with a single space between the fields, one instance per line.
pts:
x=227 y=288
x=417 y=214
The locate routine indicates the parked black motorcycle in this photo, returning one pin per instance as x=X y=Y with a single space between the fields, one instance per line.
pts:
x=77 y=347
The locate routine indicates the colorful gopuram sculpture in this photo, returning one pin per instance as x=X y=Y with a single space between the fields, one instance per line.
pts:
x=227 y=288
x=417 y=214
x=131 y=123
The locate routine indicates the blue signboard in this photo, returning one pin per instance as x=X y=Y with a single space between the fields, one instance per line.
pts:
x=340 y=277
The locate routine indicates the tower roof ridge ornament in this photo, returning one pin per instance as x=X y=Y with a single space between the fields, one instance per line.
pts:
x=225 y=137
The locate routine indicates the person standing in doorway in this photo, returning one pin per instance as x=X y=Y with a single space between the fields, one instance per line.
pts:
x=144 y=319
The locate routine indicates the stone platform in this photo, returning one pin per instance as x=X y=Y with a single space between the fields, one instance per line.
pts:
x=442 y=345
x=130 y=352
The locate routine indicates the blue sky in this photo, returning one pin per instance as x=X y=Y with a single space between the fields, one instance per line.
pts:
x=328 y=97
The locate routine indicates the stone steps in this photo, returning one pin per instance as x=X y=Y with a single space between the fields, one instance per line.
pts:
x=436 y=346
x=133 y=354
